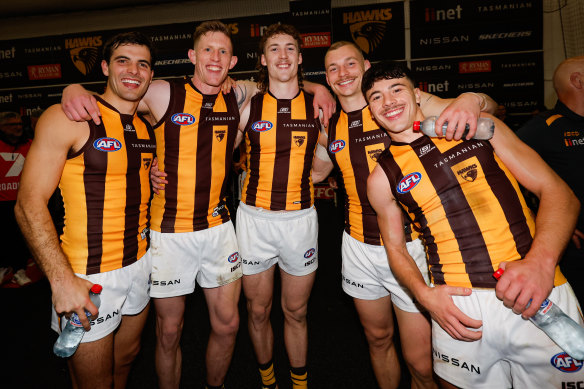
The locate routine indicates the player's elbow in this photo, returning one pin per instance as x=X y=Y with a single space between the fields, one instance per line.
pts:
x=20 y=211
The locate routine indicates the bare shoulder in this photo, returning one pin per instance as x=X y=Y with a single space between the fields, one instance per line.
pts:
x=55 y=128
x=54 y=118
x=244 y=90
x=156 y=100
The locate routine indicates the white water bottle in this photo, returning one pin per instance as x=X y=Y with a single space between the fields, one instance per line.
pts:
x=485 y=128
x=561 y=328
x=71 y=336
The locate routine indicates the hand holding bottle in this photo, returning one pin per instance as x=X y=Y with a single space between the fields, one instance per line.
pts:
x=485 y=128
x=71 y=336
x=564 y=331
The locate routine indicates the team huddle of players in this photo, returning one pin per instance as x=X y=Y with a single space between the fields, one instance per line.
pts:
x=104 y=151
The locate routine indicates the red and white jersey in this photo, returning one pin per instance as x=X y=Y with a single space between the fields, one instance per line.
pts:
x=11 y=163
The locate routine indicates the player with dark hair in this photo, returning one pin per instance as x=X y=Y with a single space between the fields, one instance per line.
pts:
x=465 y=199
x=103 y=173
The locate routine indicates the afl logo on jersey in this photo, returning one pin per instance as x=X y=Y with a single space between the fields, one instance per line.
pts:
x=233 y=257
x=107 y=144
x=182 y=119
x=408 y=182
x=309 y=253
x=262 y=125
x=337 y=146
x=566 y=363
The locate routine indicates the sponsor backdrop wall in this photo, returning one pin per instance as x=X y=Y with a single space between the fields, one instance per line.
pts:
x=493 y=46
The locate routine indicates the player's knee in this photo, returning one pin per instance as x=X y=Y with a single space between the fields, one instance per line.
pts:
x=259 y=313
x=420 y=366
x=168 y=334
x=227 y=325
x=379 y=338
x=295 y=312
x=127 y=356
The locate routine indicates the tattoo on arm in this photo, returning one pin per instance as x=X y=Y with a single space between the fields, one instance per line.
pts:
x=240 y=94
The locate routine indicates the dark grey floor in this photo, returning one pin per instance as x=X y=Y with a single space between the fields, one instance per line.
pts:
x=337 y=355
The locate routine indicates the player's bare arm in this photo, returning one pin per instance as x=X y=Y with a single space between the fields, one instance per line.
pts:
x=532 y=278
x=437 y=300
x=321 y=164
x=458 y=112
x=80 y=105
x=55 y=137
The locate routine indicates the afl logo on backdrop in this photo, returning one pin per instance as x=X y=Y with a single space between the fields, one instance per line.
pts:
x=182 y=119
x=409 y=182
x=107 y=144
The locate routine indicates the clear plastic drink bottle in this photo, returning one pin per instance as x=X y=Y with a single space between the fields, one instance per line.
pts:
x=71 y=336
x=560 y=327
x=485 y=128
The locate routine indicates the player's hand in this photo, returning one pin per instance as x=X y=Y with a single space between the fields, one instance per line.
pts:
x=156 y=177
x=438 y=302
x=72 y=296
x=333 y=183
x=577 y=237
x=79 y=105
x=227 y=85
x=465 y=109
x=325 y=102
x=524 y=283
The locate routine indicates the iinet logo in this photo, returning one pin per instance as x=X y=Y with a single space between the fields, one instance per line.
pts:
x=436 y=15
x=434 y=87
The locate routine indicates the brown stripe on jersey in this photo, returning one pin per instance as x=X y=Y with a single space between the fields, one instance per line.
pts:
x=282 y=161
x=511 y=205
x=254 y=154
x=133 y=194
x=473 y=248
x=231 y=103
x=371 y=232
x=94 y=182
x=394 y=175
x=204 y=168
x=306 y=193
x=171 y=157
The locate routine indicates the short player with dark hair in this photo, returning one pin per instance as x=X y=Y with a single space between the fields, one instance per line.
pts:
x=465 y=199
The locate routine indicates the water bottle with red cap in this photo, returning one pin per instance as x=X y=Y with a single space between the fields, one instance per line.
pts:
x=485 y=128
x=71 y=336
x=561 y=328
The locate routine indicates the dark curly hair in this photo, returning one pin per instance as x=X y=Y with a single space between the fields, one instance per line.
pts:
x=276 y=29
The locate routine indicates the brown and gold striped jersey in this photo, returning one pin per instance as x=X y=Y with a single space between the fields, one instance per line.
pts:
x=281 y=137
x=355 y=142
x=195 y=141
x=467 y=204
x=106 y=190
